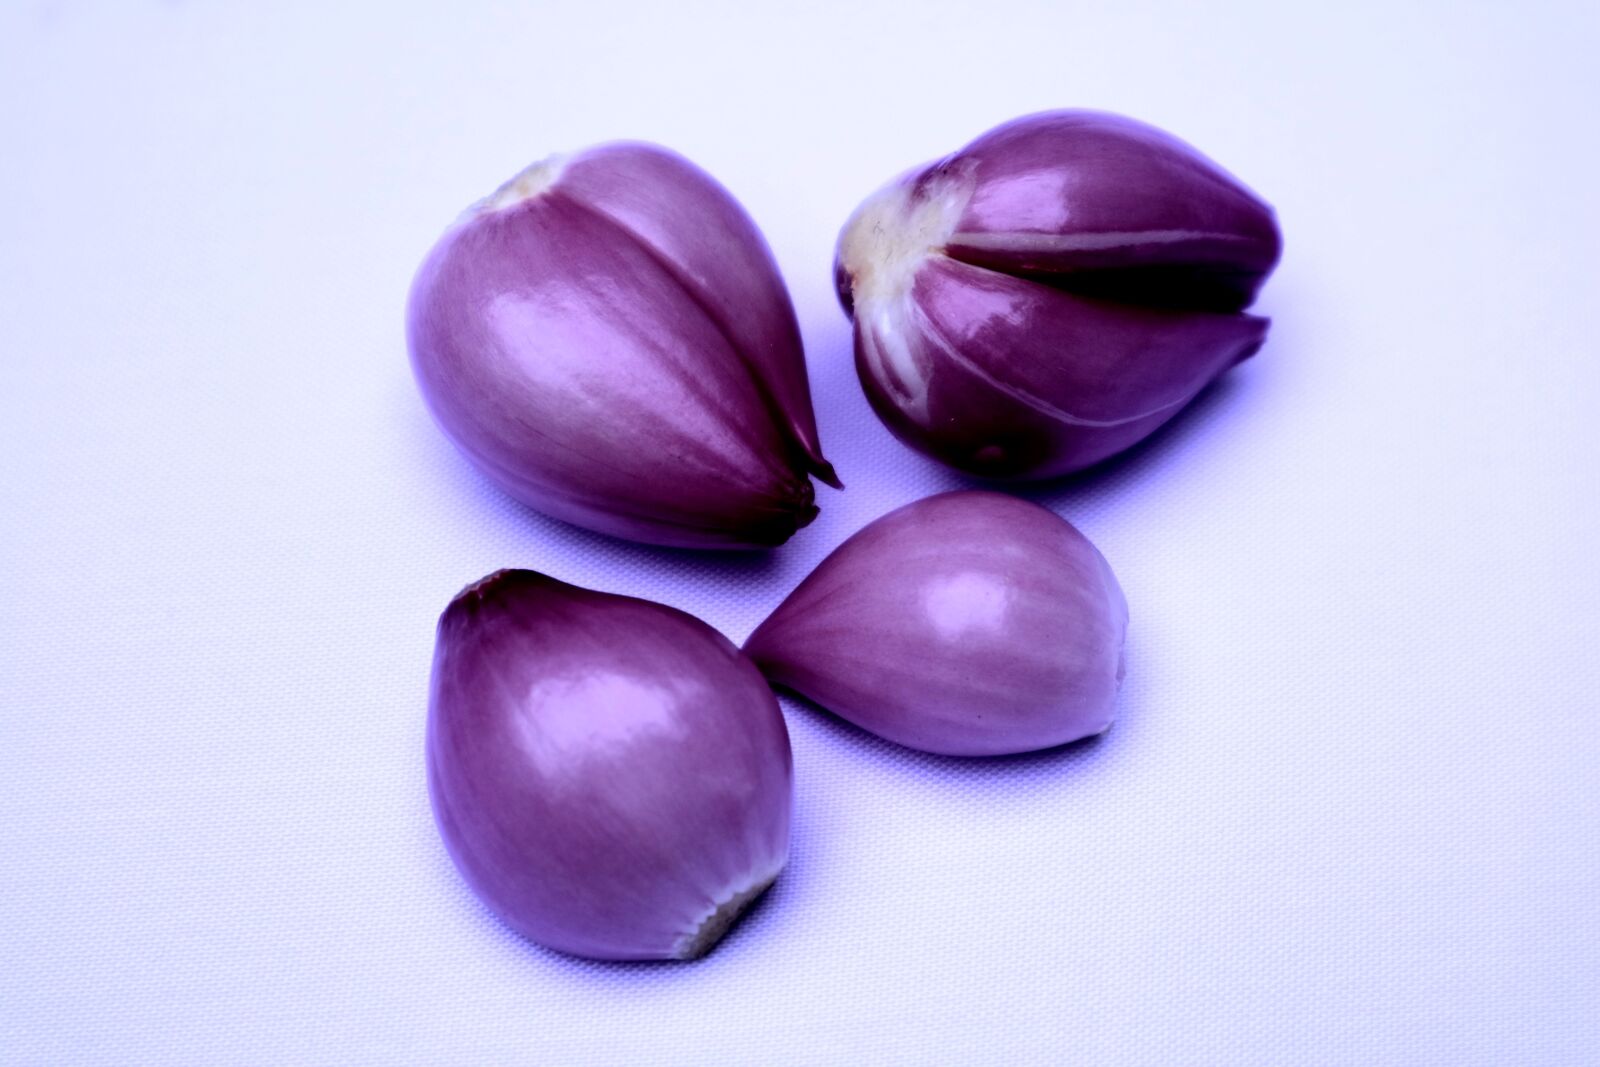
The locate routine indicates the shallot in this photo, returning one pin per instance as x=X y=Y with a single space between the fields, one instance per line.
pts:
x=607 y=338
x=968 y=624
x=1052 y=293
x=610 y=775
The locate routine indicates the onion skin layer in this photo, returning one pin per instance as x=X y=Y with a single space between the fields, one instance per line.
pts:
x=1052 y=293
x=611 y=776
x=967 y=624
x=608 y=339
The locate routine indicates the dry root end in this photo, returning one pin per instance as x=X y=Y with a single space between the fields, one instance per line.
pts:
x=479 y=587
x=525 y=185
x=720 y=921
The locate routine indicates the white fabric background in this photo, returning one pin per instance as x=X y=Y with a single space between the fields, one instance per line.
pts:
x=1351 y=811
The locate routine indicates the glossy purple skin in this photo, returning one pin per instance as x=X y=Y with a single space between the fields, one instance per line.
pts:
x=1093 y=283
x=611 y=776
x=618 y=350
x=967 y=624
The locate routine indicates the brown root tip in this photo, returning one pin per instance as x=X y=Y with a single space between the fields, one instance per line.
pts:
x=478 y=587
x=714 y=926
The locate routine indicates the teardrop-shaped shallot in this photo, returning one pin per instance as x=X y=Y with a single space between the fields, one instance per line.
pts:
x=611 y=776
x=608 y=339
x=969 y=624
x=1052 y=293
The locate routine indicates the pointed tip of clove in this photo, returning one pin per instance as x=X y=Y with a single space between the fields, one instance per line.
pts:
x=824 y=472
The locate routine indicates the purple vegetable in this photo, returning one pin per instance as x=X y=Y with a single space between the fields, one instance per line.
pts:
x=610 y=775
x=968 y=624
x=1053 y=292
x=608 y=339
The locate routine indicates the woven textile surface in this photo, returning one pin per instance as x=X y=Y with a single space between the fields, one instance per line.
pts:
x=1350 y=811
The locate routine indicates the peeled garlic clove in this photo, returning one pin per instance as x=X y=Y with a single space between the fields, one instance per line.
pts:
x=1052 y=293
x=967 y=624
x=608 y=339
x=611 y=776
